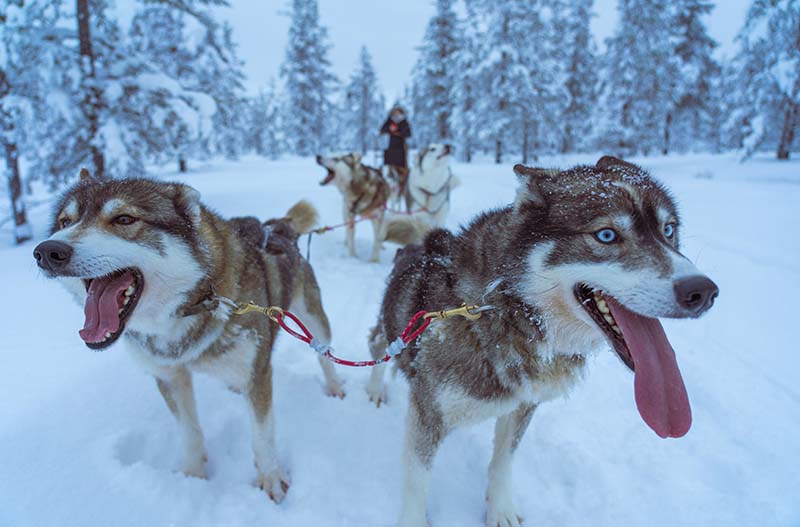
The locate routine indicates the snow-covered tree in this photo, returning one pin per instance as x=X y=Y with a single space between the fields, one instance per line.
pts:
x=768 y=68
x=640 y=79
x=465 y=120
x=308 y=80
x=693 y=115
x=265 y=136
x=579 y=65
x=434 y=76
x=363 y=107
x=515 y=78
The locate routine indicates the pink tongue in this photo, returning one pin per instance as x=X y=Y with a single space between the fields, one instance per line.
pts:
x=103 y=302
x=660 y=393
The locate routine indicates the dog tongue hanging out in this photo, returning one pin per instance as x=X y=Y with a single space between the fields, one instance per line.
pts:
x=583 y=259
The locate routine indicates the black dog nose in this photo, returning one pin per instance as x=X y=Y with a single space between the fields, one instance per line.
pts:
x=319 y=158
x=52 y=255
x=696 y=293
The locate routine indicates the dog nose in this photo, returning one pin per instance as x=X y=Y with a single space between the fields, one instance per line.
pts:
x=696 y=293
x=52 y=255
x=319 y=158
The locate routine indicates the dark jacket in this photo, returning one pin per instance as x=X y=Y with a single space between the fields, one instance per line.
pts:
x=396 y=154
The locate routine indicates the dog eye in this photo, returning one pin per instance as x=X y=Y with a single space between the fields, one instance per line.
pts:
x=606 y=235
x=669 y=230
x=63 y=223
x=124 y=219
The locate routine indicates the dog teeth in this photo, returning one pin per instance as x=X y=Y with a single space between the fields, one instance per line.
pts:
x=126 y=301
x=609 y=319
x=616 y=329
x=108 y=334
x=602 y=305
x=130 y=290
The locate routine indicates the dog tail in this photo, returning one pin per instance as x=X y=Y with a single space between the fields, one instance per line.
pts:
x=406 y=231
x=302 y=217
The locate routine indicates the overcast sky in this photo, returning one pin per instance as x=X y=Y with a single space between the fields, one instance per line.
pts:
x=391 y=30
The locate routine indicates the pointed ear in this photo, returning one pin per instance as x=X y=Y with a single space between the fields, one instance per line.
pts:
x=607 y=162
x=86 y=176
x=188 y=199
x=529 y=189
x=357 y=158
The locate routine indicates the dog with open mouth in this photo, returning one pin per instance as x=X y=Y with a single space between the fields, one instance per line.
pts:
x=149 y=263
x=584 y=258
x=365 y=194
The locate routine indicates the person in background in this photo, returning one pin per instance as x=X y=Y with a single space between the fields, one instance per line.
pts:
x=395 y=157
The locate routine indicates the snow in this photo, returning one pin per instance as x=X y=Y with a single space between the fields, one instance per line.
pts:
x=86 y=440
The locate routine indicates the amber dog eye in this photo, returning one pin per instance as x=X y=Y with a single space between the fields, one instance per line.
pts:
x=124 y=219
x=63 y=223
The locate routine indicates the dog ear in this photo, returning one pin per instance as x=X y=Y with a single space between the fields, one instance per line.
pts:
x=607 y=162
x=356 y=158
x=188 y=199
x=529 y=189
x=86 y=176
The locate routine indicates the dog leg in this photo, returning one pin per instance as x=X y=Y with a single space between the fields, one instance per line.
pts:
x=508 y=432
x=378 y=231
x=308 y=306
x=377 y=348
x=423 y=436
x=176 y=387
x=350 y=232
x=271 y=477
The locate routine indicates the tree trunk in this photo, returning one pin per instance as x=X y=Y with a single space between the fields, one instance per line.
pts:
x=181 y=164
x=468 y=152
x=667 y=127
x=787 y=135
x=92 y=100
x=22 y=230
x=498 y=151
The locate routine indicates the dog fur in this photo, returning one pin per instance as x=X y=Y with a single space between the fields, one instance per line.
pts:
x=365 y=194
x=185 y=255
x=431 y=182
x=528 y=261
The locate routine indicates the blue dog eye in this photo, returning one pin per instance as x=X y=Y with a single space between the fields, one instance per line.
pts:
x=606 y=235
x=669 y=230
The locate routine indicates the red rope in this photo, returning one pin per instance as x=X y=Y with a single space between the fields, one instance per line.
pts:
x=409 y=334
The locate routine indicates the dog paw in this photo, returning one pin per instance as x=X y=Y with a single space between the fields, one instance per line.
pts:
x=196 y=468
x=377 y=395
x=335 y=390
x=501 y=513
x=275 y=484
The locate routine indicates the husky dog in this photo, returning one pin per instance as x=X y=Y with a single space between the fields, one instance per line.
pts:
x=583 y=258
x=149 y=262
x=430 y=183
x=365 y=194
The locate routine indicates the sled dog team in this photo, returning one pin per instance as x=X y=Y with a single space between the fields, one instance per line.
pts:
x=583 y=259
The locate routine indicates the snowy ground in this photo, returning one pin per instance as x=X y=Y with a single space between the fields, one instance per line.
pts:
x=85 y=438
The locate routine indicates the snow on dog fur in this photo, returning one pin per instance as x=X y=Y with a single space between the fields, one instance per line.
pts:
x=583 y=258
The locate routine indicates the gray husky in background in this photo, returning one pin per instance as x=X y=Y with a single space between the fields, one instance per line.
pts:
x=147 y=261
x=582 y=259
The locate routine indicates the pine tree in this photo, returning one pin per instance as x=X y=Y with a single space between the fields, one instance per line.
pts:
x=33 y=52
x=515 y=77
x=640 y=75
x=695 y=99
x=363 y=106
x=768 y=64
x=264 y=126
x=309 y=83
x=435 y=76
x=466 y=115
x=578 y=61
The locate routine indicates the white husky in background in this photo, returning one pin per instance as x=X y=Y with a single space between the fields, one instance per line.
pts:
x=430 y=183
